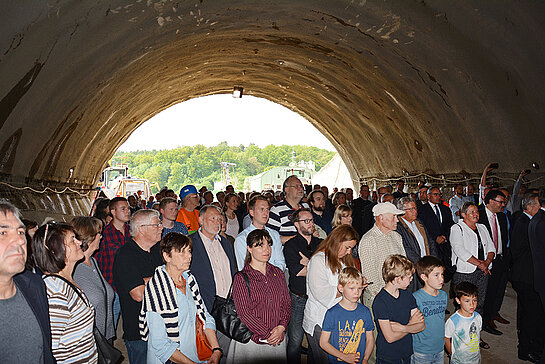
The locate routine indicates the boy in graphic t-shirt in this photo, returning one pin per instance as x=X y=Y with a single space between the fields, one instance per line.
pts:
x=347 y=330
x=463 y=328
x=429 y=344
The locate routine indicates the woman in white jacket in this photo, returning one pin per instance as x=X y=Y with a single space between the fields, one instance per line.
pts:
x=472 y=251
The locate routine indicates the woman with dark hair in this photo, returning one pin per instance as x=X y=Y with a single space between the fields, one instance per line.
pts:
x=332 y=255
x=88 y=277
x=342 y=215
x=173 y=314
x=230 y=205
x=56 y=252
x=265 y=308
x=101 y=210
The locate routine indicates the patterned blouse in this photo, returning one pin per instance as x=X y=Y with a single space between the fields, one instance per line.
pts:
x=72 y=322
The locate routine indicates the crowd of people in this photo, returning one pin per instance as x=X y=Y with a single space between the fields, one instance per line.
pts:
x=362 y=278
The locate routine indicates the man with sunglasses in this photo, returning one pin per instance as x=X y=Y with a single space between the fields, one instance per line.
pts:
x=297 y=252
x=491 y=215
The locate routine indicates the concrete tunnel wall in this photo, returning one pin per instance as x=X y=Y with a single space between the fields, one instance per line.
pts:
x=397 y=86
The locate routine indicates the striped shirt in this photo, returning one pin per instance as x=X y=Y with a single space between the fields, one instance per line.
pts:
x=279 y=218
x=268 y=304
x=72 y=322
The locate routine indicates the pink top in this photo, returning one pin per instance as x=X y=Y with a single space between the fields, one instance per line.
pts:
x=270 y=303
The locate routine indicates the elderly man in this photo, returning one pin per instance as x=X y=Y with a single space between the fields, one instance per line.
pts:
x=416 y=240
x=188 y=213
x=168 y=207
x=491 y=215
x=280 y=213
x=298 y=251
x=213 y=263
x=376 y=245
x=531 y=316
x=134 y=265
x=25 y=336
x=259 y=210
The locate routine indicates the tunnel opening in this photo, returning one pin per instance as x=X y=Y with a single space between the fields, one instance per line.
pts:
x=250 y=133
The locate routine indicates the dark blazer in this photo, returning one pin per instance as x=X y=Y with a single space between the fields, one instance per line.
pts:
x=202 y=269
x=522 y=266
x=358 y=210
x=412 y=248
x=504 y=230
x=536 y=235
x=33 y=289
x=428 y=218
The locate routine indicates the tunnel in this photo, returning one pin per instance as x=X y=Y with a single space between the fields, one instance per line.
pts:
x=398 y=87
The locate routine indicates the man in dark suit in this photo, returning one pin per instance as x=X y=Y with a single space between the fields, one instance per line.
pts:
x=491 y=215
x=437 y=218
x=213 y=263
x=358 y=207
x=415 y=237
x=536 y=236
x=530 y=313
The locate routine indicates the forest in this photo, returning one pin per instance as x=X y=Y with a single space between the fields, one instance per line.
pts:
x=200 y=165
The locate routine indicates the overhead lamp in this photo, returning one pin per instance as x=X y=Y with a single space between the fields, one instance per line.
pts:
x=237 y=92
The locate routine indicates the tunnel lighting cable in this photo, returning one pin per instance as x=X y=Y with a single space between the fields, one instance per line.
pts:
x=64 y=190
x=442 y=179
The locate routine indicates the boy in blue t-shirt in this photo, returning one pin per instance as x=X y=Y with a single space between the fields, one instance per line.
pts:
x=395 y=311
x=432 y=302
x=463 y=328
x=347 y=330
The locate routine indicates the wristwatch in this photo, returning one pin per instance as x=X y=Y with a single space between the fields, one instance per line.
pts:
x=217 y=349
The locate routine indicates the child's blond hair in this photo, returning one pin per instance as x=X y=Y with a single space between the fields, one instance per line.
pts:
x=396 y=266
x=350 y=274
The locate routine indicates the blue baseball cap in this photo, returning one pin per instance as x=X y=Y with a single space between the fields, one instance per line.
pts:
x=186 y=190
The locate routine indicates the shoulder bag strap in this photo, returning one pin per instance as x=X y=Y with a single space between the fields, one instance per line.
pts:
x=245 y=276
x=71 y=286
x=105 y=294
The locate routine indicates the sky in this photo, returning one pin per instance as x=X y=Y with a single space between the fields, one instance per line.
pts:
x=251 y=120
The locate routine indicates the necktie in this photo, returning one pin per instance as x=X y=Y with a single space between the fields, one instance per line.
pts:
x=437 y=213
x=495 y=232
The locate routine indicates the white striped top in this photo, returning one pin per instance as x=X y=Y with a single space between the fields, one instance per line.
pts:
x=72 y=322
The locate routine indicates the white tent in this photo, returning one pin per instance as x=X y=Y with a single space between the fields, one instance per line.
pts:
x=334 y=174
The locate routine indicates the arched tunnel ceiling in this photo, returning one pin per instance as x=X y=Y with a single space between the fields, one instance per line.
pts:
x=436 y=86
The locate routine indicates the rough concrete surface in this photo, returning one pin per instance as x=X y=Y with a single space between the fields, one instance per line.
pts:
x=396 y=86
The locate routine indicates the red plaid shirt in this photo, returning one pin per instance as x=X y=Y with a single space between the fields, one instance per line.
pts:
x=112 y=239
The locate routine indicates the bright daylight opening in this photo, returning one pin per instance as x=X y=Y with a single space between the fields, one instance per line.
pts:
x=249 y=142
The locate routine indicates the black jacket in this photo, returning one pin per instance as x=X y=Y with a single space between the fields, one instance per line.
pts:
x=504 y=230
x=536 y=235
x=33 y=289
x=522 y=269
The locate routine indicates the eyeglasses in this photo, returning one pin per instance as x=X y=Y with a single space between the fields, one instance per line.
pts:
x=500 y=202
x=410 y=209
x=299 y=187
x=154 y=225
x=306 y=221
